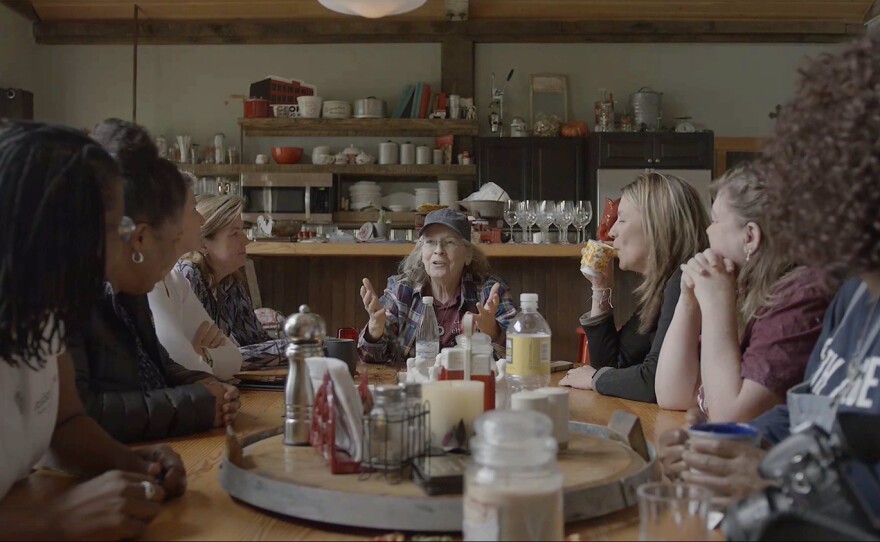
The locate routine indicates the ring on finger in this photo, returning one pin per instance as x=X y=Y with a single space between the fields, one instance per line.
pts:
x=149 y=490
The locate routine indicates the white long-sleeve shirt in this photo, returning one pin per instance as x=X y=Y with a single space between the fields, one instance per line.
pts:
x=178 y=313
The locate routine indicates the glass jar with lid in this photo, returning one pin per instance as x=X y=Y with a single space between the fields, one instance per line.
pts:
x=513 y=487
x=386 y=433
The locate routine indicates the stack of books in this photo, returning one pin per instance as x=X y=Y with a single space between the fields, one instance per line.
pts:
x=417 y=102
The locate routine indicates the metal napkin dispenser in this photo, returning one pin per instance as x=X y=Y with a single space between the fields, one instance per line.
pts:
x=305 y=334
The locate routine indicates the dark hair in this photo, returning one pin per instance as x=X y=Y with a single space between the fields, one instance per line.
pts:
x=823 y=164
x=53 y=182
x=153 y=188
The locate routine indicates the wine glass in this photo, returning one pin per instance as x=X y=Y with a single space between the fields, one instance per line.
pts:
x=564 y=217
x=511 y=208
x=546 y=212
x=530 y=210
x=583 y=213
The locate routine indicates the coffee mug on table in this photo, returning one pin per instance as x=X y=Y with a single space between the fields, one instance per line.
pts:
x=342 y=349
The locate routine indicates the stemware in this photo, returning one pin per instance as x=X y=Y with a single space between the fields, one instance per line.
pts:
x=528 y=215
x=583 y=213
x=564 y=218
x=546 y=215
x=511 y=209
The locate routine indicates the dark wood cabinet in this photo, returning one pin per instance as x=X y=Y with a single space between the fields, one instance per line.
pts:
x=534 y=167
x=660 y=150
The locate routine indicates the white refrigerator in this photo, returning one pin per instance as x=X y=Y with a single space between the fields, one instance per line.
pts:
x=609 y=183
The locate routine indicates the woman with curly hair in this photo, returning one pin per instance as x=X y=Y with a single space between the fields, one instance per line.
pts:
x=747 y=317
x=821 y=170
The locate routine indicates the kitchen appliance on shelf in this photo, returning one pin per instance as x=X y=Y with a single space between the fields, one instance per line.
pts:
x=288 y=196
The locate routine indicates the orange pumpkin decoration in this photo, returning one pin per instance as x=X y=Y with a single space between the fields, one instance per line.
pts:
x=575 y=128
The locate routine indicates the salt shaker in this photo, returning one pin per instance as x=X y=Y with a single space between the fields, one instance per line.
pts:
x=305 y=334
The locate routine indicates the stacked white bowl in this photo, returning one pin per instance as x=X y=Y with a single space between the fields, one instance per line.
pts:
x=365 y=194
x=427 y=195
x=448 y=193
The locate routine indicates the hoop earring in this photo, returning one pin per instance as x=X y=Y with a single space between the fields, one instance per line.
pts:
x=137 y=257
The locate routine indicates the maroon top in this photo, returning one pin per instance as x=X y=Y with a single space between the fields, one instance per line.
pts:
x=778 y=340
x=448 y=318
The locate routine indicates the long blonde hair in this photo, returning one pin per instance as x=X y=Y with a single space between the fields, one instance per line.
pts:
x=748 y=199
x=219 y=212
x=414 y=273
x=674 y=222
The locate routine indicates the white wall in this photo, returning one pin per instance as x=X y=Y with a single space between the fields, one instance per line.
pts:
x=184 y=89
x=17 y=51
x=729 y=88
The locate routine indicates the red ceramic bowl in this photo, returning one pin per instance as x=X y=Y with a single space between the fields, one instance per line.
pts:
x=287 y=155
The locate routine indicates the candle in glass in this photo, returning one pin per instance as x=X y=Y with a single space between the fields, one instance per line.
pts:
x=452 y=401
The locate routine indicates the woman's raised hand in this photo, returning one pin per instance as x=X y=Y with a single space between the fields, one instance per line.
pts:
x=374 y=308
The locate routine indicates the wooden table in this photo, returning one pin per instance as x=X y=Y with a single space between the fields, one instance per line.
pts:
x=206 y=512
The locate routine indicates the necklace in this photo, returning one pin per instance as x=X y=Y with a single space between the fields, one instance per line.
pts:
x=441 y=316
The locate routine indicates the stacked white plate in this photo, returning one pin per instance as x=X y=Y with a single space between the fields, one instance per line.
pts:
x=448 y=193
x=365 y=194
x=427 y=195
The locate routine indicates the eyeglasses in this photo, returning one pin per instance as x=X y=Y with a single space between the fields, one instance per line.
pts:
x=446 y=244
x=126 y=228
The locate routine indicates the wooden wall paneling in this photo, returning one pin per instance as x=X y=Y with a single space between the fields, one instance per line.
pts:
x=357 y=30
x=23 y=8
x=668 y=10
x=210 y=9
x=331 y=288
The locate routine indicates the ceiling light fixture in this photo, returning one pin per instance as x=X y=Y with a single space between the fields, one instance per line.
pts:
x=372 y=9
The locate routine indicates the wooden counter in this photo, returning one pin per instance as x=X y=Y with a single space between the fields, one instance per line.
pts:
x=327 y=277
x=206 y=512
x=495 y=250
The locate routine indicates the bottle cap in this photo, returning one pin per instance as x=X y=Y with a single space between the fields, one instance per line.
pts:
x=528 y=298
x=428 y=300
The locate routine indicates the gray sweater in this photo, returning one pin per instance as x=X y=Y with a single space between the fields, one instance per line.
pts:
x=626 y=359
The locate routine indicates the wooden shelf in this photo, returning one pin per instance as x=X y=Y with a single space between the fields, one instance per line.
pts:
x=357 y=127
x=209 y=170
x=356 y=218
x=499 y=250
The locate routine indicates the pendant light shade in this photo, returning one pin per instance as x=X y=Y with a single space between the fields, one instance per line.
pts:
x=372 y=9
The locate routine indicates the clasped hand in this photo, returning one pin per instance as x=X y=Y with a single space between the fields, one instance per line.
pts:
x=709 y=279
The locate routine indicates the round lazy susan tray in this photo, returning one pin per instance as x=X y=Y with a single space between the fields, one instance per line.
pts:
x=601 y=474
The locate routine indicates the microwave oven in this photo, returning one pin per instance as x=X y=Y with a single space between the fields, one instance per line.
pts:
x=287 y=196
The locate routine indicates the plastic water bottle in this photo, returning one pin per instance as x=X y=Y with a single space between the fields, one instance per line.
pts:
x=528 y=347
x=428 y=334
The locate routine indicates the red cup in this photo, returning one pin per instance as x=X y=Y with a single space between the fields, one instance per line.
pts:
x=256 y=108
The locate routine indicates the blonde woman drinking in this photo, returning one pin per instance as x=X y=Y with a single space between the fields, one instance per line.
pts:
x=661 y=223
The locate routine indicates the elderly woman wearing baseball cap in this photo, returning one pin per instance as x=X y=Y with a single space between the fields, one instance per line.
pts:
x=446 y=266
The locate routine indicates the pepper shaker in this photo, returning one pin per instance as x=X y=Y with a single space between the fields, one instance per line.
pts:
x=305 y=332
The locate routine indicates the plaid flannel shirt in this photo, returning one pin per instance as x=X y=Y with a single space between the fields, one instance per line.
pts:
x=403 y=314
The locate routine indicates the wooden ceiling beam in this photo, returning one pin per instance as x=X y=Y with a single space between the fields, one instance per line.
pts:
x=23 y=8
x=155 y=32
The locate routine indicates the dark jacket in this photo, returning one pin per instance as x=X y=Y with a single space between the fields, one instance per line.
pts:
x=626 y=359
x=108 y=378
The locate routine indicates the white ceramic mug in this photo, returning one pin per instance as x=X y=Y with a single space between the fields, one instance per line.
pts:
x=262 y=159
x=310 y=106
